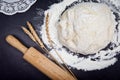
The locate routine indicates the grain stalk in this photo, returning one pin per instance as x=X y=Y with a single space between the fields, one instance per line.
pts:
x=28 y=33
x=51 y=45
x=33 y=35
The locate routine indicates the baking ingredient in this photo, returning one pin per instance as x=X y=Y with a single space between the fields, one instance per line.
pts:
x=99 y=60
x=86 y=28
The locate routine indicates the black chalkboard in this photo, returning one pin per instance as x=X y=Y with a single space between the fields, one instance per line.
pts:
x=12 y=65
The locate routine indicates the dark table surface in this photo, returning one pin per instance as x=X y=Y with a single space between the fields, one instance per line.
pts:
x=12 y=65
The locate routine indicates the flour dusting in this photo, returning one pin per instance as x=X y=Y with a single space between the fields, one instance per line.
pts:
x=104 y=58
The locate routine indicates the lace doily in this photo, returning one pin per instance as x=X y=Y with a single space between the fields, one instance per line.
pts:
x=10 y=7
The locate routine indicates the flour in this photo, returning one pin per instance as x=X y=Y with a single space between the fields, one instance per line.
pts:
x=100 y=60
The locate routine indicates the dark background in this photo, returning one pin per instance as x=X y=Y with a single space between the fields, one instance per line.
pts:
x=12 y=65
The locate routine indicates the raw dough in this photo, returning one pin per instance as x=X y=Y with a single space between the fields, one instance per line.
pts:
x=86 y=28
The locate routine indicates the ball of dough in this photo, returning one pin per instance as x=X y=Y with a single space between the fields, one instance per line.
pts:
x=86 y=28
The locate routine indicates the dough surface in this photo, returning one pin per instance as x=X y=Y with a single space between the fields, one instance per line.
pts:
x=86 y=28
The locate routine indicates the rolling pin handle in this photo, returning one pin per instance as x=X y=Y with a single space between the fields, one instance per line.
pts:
x=16 y=43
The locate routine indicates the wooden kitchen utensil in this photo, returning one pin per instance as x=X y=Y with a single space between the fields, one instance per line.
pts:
x=38 y=60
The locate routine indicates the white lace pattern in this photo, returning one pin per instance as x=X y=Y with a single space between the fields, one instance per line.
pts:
x=10 y=7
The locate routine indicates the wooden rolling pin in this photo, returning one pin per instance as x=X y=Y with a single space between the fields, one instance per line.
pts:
x=39 y=61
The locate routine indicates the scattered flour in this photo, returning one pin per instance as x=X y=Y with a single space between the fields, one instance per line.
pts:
x=100 y=60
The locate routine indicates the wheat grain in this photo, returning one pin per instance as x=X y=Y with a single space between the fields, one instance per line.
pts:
x=51 y=45
x=28 y=33
x=35 y=34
